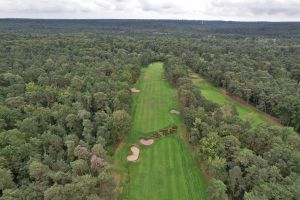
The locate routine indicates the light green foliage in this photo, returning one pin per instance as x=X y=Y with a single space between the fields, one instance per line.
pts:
x=38 y=171
x=5 y=179
x=217 y=190
x=120 y=123
x=80 y=167
x=207 y=146
x=77 y=83
x=98 y=150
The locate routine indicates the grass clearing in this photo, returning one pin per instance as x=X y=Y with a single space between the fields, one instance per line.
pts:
x=167 y=169
x=246 y=111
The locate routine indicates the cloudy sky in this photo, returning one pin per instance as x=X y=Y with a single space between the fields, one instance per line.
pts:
x=246 y=10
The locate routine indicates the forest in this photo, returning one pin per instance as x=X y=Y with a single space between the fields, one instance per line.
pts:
x=264 y=73
x=244 y=161
x=66 y=103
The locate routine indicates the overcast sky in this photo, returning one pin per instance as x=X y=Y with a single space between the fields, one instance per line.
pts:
x=246 y=10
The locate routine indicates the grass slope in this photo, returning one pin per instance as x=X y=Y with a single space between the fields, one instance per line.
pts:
x=167 y=169
x=246 y=112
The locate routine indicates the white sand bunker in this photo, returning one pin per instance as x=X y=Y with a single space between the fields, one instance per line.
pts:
x=135 y=154
x=173 y=111
x=146 y=142
x=134 y=90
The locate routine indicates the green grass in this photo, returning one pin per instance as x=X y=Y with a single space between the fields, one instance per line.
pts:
x=246 y=112
x=167 y=169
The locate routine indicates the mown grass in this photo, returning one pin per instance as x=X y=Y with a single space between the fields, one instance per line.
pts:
x=167 y=169
x=246 y=112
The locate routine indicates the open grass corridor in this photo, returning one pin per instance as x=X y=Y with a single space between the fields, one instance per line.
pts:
x=246 y=112
x=166 y=169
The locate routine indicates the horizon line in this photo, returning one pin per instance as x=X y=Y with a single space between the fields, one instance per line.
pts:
x=147 y=19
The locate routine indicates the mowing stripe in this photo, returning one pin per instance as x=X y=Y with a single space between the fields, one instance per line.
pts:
x=165 y=170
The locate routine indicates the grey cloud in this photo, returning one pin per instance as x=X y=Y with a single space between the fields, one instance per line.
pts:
x=256 y=7
x=194 y=9
x=169 y=6
x=43 y=6
x=61 y=6
x=104 y=4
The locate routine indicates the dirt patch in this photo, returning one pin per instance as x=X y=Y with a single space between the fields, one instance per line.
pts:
x=134 y=90
x=117 y=178
x=146 y=142
x=146 y=78
x=173 y=111
x=135 y=154
x=116 y=175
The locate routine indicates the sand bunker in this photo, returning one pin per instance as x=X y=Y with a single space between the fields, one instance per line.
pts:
x=173 y=111
x=135 y=154
x=146 y=142
x=134 y=90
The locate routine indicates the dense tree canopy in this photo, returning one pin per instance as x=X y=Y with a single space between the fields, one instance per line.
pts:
x=65 y=103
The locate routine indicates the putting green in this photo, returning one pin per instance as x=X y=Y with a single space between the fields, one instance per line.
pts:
x=166 y=169
x=245 y=111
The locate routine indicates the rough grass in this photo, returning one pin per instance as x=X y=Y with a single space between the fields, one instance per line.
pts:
x=167 y=169
x=246 y=112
